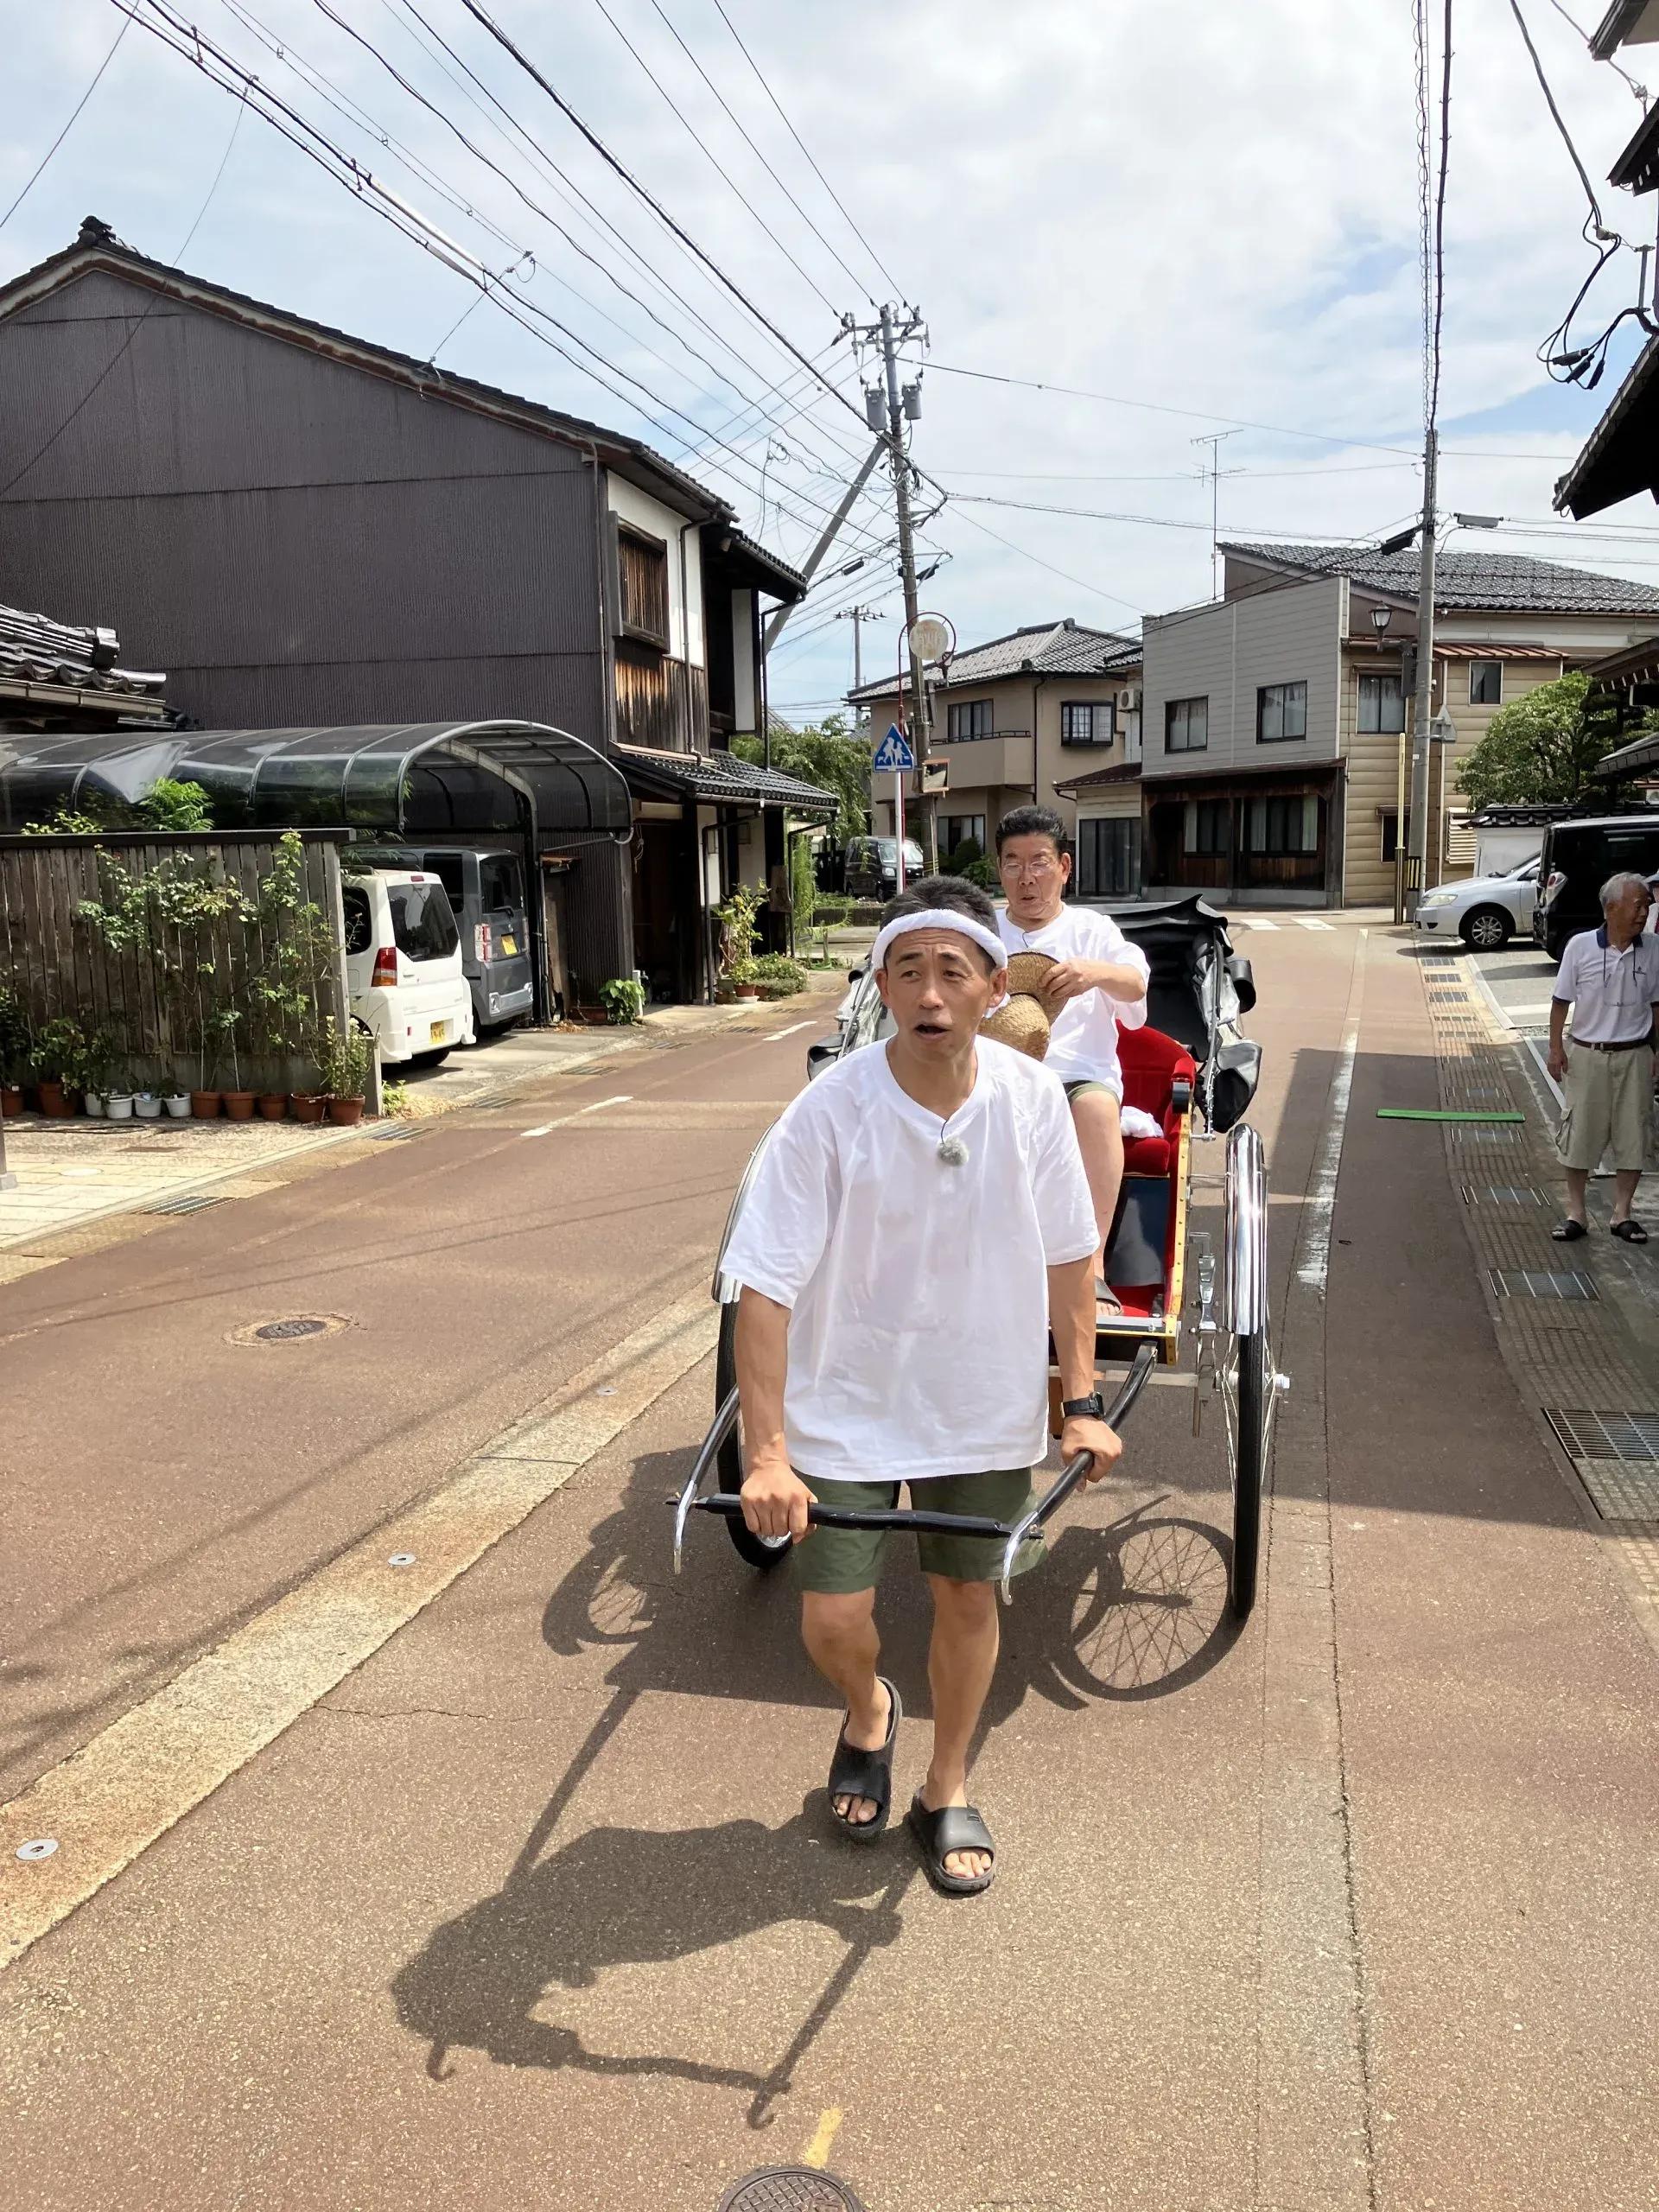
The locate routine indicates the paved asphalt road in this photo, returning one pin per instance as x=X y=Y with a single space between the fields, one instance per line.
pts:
x=534 y=1906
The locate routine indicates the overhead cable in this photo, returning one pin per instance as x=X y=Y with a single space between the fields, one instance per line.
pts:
x=481 y=16
x=712 y=158
x=765 y=87
x=74 y=115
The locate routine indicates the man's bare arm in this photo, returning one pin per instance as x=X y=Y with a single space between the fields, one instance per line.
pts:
x=1072 y=1318
x=775 y=1498
x=1557 y=1057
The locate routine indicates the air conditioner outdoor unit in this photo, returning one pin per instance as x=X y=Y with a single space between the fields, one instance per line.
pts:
x=1128 y=698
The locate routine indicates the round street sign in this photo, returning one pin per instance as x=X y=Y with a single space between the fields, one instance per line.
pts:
x=930 y=637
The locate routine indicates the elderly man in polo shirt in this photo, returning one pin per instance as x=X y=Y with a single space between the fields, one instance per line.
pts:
x=1610 y=977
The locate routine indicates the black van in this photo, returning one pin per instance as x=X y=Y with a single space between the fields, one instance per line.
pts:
x=487 y=889
x=1579 y=855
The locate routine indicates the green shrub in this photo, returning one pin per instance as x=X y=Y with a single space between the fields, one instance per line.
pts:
x=624 y=998
x=777 y=976
x=983 y=873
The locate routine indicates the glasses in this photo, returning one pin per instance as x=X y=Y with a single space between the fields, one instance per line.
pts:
x=1037 y=869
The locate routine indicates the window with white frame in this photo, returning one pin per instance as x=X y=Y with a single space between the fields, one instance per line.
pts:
x=1281 y=713
x=1087 y=721
x=1485 y=683
x=967 y=718
x=1382 y=703
x=1186 y=725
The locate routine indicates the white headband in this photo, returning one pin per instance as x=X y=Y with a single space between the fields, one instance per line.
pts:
x=939 y=917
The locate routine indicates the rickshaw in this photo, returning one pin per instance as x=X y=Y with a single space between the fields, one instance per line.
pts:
x=1190 y=1059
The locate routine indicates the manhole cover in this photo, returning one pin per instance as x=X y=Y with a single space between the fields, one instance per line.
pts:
x=790 y=2189
x=288 y=1328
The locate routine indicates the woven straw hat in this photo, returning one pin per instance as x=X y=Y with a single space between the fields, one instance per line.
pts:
x=1021 y=1021
x=1027 y=972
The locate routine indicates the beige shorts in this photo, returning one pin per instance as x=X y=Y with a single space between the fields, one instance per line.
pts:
x=1609 y=1107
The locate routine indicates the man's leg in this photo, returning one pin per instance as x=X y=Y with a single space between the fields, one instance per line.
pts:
x=1100 y=1140
x=960 y=1661
x=838 y=1629
x=1625 y=1182
x=1578 y=1184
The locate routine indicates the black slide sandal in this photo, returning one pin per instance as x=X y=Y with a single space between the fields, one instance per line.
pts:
x=1630 y=1232
x=953 y=1827
x=1568 y=1232
x=856 y=1773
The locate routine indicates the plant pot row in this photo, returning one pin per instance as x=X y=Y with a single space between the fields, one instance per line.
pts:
x=308 y=1106
x=57 y=1103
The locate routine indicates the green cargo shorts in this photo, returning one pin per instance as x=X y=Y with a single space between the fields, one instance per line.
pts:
x=838 y=1561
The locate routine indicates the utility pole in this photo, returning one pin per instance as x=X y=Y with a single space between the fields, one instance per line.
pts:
x=1420 y=741
x=890 y=335
x=1212 y=439
x=856 y=616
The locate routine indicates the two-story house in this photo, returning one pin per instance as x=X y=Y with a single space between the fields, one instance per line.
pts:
x=1276 y=718
x=306 y=528
x=1014 y=718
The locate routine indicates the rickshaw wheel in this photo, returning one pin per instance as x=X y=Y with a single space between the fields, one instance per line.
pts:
x=763 y=1552
x=1249 y=1406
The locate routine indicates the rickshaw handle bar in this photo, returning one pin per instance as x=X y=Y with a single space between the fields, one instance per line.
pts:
x=1012 y=1535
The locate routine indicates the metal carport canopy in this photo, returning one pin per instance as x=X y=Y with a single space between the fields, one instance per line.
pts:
x=353 y=774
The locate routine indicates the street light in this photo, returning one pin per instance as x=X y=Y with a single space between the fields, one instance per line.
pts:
x=1381 y=618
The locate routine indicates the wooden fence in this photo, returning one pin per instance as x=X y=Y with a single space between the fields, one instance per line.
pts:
x=156 y=995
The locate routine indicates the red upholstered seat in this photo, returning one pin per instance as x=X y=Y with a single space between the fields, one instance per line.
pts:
x=1152 y=1064
x=1141 y=1260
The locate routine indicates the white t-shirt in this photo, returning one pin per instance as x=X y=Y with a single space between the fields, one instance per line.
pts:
x=1612 y=994
x=918 y=1292
x=1082 y=1044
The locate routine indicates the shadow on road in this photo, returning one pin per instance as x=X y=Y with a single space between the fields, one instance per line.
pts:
x=1132 y=1611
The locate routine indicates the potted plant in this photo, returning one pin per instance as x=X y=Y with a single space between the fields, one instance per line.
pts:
x=239 y=1102
x=177 y=1102
x=744 y=980
x=737 y=915
x=59 y=1046
x=273 y=1105
x=624 y=997
x=15 y=1047
x=102 y=1068
x=344 y=1058
x=777 y=976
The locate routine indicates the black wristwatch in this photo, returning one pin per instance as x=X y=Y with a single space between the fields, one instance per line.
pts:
x=1092 y=1407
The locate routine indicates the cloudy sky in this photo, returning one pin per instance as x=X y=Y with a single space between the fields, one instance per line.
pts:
x=1203 y=212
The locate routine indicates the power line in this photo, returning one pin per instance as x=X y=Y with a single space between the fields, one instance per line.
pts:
x=195 y=48
x=831 y=251
x=1440 y=218
x=518 y=139
x=1640 y=90
x=1154 y=522
x=713 y=159
x=765 y=87
x=74 y=114
x=150 y=306
x=481 y=16
x=292 y=57
x=1117 y=598
x=1555 y=113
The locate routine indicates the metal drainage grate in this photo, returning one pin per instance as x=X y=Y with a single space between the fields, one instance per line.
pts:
x=394 y=1133
x=290 y=1328
x=1631 y=1437
x=788 y=2189
x=192 y=1205
x=1543 y=1283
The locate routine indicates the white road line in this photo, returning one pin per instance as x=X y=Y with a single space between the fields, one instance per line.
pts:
x=1311 y=925
x=777 y=1035
x=622 y=1098
x=110 y=1800
x=1240 y=924
x=1318 y=1212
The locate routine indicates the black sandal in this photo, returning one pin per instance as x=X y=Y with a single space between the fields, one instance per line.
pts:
x=1630 y=1232
x=953 y=1827
x=1568 y=1232
x=856 y=1773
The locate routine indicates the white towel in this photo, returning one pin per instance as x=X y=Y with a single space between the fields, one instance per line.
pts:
x=1137 y=1122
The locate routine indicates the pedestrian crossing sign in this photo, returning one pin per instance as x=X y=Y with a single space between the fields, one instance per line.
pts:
x=893 y=755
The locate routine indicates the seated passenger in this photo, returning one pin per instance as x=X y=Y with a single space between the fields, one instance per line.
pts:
x=1098 y=980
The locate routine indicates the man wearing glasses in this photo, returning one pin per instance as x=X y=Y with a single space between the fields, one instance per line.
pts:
x=1098 y=980
x=1610 y=977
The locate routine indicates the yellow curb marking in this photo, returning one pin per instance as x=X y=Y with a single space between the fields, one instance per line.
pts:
x=817 y=2152
x=110 y=1800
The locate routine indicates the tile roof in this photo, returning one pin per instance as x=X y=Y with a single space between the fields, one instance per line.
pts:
x=720 y=776
x=1064 y=648
x=96 y=246
x=1124 y=771
x=1621 y=455
x=38 y=656
x=1492 y=582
